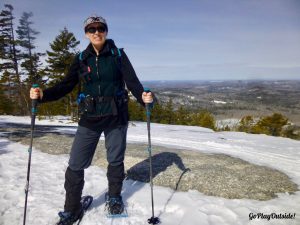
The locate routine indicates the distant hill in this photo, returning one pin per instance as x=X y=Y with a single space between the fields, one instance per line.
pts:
x=233 y=98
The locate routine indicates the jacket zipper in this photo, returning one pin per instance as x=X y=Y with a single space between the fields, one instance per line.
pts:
x=99 y=87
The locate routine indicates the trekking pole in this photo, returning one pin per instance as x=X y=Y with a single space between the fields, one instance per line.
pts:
x=152 y=220
x=33 y=114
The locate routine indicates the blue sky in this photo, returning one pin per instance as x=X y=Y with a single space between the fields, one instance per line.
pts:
x=185 y=40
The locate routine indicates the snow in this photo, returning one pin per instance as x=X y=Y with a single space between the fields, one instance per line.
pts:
x=219 y=102
x=231 y=123
x=46 y=195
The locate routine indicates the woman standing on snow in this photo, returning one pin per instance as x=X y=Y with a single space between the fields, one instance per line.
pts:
x=102 y=70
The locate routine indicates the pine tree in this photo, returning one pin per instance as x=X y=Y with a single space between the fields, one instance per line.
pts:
x=203 y=119
x=271 y=125
x=246 y=124
x=207 y=120
x=63 y=51
x=7 y=37
x=158 y=114
x=169 y=115
x=30 y=60
x=136 y=111
x=9 y=55
x=2 y=48
x=182 y=116
x=6 y=102
x=26 y=37
x=291 y=131
x=6 y=105
x=6 y=83
x=62 y=54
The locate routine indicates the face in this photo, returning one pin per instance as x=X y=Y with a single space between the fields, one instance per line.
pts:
x=96 y=33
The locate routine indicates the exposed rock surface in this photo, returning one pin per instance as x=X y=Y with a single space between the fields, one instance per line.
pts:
x=212 y=174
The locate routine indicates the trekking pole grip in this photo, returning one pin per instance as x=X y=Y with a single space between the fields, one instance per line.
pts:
x=34 y=102
x=148 y=111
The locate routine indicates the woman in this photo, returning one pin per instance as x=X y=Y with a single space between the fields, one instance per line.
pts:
x=102 y=71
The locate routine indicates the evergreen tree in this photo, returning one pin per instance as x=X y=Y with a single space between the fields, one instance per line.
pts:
x=6 y=105
x=62 y=54
x=203 y=119
x=195 y=119
x=182 y=116
x=9 y=55
x=246 y=124
x=2 y=49
x=271 y=125
x=158 y=114
x=207 y=120
x=136 y=111
x=7 y=38
x=169 y=112
x=6 y=83
x=292 y=131
x=26 y=37
x=63 y=51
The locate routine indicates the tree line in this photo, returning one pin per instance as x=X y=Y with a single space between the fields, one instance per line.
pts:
x=21 y=65
x=168 y=113
x=274 y=125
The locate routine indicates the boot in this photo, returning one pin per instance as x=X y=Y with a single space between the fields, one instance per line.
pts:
x=114 y=205
x=69 y=218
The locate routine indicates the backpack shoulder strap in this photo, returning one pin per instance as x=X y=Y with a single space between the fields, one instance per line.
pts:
x=80 y=56
x=83 y=68
x=83 y=55
x=117 y=52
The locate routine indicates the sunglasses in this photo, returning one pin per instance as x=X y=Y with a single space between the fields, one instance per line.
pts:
x=93 y=30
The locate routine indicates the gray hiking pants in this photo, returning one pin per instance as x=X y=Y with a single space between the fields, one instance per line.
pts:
x=81 y=156
x=86 y=141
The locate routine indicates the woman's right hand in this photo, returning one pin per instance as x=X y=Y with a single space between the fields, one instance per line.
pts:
x=36 y=93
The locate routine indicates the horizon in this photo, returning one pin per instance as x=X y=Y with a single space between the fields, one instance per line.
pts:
x=197 y=40
x=217 y=80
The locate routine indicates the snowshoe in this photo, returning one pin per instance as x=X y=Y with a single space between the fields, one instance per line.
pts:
x=68 y=218
x=115 y=207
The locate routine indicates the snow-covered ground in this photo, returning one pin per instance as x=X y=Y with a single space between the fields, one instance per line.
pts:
x=46 y=196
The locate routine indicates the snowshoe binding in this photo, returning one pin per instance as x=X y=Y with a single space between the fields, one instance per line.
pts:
x=115 y=207
x=68 y=218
